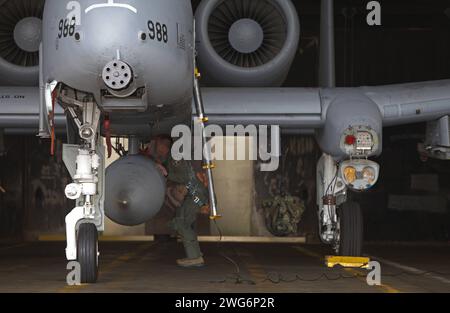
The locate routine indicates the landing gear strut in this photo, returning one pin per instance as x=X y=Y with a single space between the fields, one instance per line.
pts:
x=85 y=163
x=340 y=220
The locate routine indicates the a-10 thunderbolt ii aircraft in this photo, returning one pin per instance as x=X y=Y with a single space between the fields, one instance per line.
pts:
x=128 y=68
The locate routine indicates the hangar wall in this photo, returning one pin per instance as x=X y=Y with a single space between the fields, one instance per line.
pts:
x=33 y=183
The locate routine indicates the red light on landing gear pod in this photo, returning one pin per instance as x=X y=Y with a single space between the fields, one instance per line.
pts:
x=350 y=140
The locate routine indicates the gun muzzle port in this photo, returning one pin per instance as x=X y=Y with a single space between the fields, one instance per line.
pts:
x=117 y=75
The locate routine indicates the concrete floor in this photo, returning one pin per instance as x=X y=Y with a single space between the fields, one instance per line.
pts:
x=149 y=267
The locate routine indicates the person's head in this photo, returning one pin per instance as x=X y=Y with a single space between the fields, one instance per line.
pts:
x=162 y=147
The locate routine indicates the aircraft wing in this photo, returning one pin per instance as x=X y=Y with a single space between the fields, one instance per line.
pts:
x=291 y=108
x=411 y=103
x=306 y=108
x=19 y=111
x=299 y=109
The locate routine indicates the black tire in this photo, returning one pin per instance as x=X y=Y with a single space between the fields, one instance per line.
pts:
x=351 y=229
x=87 y=252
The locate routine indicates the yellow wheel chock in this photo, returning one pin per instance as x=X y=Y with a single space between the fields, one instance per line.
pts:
x=347 y=261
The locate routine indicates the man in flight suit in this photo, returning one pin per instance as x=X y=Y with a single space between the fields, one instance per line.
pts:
x=190 y=193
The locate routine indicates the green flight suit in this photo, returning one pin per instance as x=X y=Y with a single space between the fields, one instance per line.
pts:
x=182 y=172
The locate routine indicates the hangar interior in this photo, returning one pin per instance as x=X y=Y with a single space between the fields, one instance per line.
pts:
x=414 y=47
x=410 y=203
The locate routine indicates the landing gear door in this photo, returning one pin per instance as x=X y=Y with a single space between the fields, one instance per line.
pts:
x=100 y=198
x=44 y=124
x=70 y=153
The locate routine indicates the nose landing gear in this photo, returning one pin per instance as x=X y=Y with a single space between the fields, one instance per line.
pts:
x=85 y=163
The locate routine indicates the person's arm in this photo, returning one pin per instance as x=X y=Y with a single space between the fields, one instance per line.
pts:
x=162 y=169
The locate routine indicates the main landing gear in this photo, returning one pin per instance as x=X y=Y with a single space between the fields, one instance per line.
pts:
x=340 y=220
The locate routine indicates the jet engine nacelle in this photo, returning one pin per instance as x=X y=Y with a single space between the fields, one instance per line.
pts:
x=353 y=127
x=134 y=191
x=20 y=37
x=246 y=43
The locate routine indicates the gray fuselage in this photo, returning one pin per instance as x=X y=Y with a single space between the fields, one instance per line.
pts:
x=154 y=38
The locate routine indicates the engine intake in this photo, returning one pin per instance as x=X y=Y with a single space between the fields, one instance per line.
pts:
x=246 y=43
x=20 y=37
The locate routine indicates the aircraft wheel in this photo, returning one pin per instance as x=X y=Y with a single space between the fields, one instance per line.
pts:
x=350 y=229
x=87 y=252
